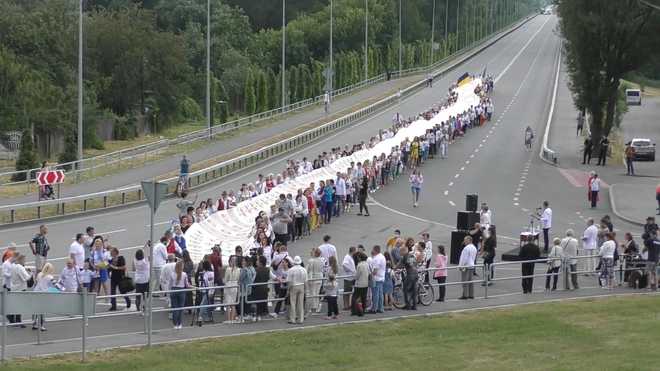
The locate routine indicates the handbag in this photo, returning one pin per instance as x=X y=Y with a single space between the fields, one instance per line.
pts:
x=126 y=285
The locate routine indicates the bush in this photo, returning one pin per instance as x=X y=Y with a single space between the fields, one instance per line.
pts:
x=27 y=157
x=188 y=110
x=70 y=149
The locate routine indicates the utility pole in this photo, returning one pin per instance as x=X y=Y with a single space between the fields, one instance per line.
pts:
x=331 y=67
x=446 y=23
x=366 y=40
x=458 y=15
x=208 y=67
x=80 y=85
x=400 y=37
x=283 y=70
x=432 y=30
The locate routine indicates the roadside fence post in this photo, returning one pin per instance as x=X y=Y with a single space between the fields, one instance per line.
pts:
x=4 y=324
x=565 y=270
x=240 y=298
x=84 y=325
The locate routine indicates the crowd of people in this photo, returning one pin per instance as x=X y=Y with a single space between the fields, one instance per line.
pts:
x=95 y=265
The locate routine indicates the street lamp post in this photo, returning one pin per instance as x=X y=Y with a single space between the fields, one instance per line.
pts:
x=432 y=29
x=283 y=70
x=366 y=40
x=208 y=67
x=80 y=85
x=458 y=14
x=400 y=37
x=330 y=76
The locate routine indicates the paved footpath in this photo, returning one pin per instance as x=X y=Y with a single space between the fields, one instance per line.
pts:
x=231 y=143
x=631 y=199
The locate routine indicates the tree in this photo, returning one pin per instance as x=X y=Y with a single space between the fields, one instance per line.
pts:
x=27 y=158
x=602 y=44
x=250 y=94
x=262 y=92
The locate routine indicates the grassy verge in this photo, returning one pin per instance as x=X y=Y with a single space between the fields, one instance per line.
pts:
x=649 y=87
x=594 y=334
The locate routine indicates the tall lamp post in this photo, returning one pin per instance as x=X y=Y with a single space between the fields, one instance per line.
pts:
x=432 y=30
x=208 y=67
x=80 y=85
x=283 y=70
x=366 y=40
x=330 y=77
x=400 y=37
x=458 y=14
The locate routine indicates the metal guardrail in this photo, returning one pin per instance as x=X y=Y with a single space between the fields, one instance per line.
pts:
x=563 y=275
x=548 y=155
x=40 y=210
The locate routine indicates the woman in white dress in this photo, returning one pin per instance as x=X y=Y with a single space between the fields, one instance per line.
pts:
x=231 y=294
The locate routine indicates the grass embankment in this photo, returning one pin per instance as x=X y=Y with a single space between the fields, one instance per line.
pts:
x=594 y=334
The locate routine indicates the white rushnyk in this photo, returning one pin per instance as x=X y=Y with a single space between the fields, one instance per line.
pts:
x=233 y=227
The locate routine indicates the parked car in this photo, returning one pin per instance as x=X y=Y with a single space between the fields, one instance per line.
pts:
x=644 y=149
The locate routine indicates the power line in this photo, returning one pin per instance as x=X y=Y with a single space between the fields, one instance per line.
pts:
x=644 y=2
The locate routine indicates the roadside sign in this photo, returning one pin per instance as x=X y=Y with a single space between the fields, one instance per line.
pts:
x=154 y=192
x=50 y=177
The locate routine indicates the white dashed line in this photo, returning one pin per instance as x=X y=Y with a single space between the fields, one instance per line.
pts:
x=456 y=176
x=451 y=184
x=452 y=203
x=446 y=193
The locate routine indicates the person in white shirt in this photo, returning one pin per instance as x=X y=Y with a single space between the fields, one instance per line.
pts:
x=606 y=254
x=165 y=273
x=315 y=275
x=546 y=224
x=589 y=246
x=43 y=283
x=485 y=218
x=77 y=251
x=348 y=265
x=340 y=192
x=327 y=250
x=379 y=265
x=141 y=278
x=6 y=271
x=554 y=263
x=69 y=279
x=18 y=282
x=159 y=258
x=466 y=264
x=428 y=249
x=594 y=188
x=570 y=246
x=296 y=279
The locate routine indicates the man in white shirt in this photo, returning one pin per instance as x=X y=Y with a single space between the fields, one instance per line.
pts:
x=160 y=259
x=296 y=279
x=327 y=250
x=485 y=216
x=348 y=265
x=77 y=251
x=546 y=224
x=466 y=264
x=589 y=245
x=166 y=272
x=570 y=247
x=69 y=279
x=340 y=187
x=379 y=265
x=6 y=271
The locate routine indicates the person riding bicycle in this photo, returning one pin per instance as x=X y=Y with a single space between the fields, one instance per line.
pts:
x=409 y=262
x=529 y=136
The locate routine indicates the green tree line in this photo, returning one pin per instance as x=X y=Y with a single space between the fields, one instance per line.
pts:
x=148 y=58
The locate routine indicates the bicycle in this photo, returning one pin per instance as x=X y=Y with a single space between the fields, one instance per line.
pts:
x=182 y=186
x=425 y=292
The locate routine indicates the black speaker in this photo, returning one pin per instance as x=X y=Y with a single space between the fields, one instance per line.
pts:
x=456 y=246
x=465 y=220
x=471 y=203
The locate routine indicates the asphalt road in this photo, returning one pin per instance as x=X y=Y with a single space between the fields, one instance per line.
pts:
x=490 y=161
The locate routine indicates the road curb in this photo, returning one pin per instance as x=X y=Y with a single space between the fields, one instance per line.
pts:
x=544 y=146
x=616 y=211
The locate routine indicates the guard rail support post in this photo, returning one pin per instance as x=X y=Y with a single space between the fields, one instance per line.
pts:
x=4 y=324
x=105 y=201
x=486 y=279
x=83 y=356
x=240 y=298
x=565 y=269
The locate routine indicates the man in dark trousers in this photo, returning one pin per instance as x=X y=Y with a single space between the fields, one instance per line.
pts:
x=602 y=154
x=586 y=151
x=529 y=251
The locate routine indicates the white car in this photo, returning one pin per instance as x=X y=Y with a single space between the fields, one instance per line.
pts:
x=644 y=149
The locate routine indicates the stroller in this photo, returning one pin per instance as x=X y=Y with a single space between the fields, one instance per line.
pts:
x=46 y=192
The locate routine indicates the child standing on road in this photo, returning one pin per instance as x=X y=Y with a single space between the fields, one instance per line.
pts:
x=331 y=296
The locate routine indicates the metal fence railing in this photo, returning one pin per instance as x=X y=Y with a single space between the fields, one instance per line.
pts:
x=547 y=154
x=221 y=300
x=40 y=210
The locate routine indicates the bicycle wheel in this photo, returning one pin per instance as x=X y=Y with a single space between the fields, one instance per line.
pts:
x=397 y=297
x=426 y=294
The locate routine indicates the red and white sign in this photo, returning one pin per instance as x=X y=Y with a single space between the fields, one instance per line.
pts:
x=50 y=177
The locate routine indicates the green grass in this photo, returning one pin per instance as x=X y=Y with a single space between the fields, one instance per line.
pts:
x=593 y=334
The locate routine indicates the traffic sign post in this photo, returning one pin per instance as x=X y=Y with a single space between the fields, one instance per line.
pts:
x=48 y=178
x=154 y=192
